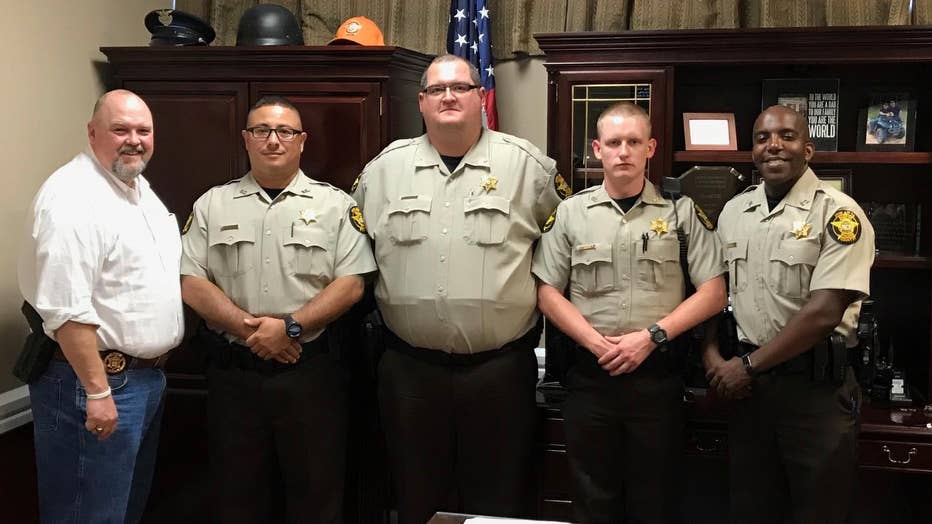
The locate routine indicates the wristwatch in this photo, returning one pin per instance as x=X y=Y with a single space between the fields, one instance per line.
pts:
x=292 y=328
x=657 y=334
x=748 y=366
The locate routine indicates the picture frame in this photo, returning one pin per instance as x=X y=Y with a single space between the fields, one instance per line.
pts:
x=888 y=123
x=710 y=131
x=816 y=98
x=840 y=179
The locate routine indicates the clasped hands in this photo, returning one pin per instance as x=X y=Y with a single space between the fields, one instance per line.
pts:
x=268 y=340
x=727 y=378
x=620 y=354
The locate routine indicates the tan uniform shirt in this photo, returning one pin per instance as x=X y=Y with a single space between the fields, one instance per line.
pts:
x=816 y=238
x=617 y=281
x=271 y=258
x=454 y=249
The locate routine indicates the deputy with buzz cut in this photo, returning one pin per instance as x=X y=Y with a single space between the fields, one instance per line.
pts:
x=616 y=247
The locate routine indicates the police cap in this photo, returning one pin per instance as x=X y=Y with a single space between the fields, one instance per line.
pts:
x=177 y=28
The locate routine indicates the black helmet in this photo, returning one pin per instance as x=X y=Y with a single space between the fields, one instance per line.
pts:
x=172 y=27
x=269 y=24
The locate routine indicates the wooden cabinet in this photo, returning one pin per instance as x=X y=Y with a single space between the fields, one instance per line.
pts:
x=722 y=71
x=353 y=102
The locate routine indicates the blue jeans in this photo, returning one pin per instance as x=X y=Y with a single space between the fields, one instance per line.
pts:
x=81 y=479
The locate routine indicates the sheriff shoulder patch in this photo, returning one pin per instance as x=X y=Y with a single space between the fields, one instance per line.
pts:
x=548 y=225
x=703 y=218
x=355 y=216
x=563 y=189
x=844 y=227
x=187 y=223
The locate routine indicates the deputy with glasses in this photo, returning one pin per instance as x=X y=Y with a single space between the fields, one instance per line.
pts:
x=454 y=214
x=269 y=260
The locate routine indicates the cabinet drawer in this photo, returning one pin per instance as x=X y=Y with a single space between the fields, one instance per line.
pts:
x=561 y=510
x=552 y=434
x=895 y=455
x=555 y=480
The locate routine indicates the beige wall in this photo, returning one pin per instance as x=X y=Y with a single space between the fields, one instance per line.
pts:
x=50 y=60
x=521 y=97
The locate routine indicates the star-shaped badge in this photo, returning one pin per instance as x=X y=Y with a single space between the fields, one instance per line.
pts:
x=307 y=216
x=489 y=182
x=659 y=226
x=800 y=229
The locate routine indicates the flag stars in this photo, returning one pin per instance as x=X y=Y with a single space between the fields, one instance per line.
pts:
x=460 y=14
x=489 y=70
x=484 y=13
x=461 y=39
x=474 y=47
x=481 y=37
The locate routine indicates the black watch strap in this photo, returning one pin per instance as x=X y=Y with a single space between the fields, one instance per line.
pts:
x=292 y=328
x=748 y=365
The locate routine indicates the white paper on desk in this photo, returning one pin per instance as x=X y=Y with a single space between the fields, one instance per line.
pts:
x=489 y=520
x=708 y=132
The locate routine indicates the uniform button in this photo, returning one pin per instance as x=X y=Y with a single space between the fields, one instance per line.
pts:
x=230 y=237
x=623 y=305
x=267 y=260
x=444 y=231
x=440 y=289
x=624 y=277
x=624 y=247
x=446 y=204
x=268 y=232
x=443 y=258
x=624 y=220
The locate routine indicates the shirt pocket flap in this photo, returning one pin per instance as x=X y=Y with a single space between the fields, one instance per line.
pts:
x=735 y=250
x=492 y=203
x=588 y=254
x=309 y=238
x=660 y=251
x=230 y=237
x=407 y=205
x=797 y=251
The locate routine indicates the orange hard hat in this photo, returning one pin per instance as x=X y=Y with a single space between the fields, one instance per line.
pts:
x=358 y=30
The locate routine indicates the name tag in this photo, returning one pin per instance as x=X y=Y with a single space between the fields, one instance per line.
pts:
x=731 y=244
x=231 y=227
x=586 y=247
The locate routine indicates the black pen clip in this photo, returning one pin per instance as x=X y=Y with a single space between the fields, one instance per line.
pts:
x=644 y=238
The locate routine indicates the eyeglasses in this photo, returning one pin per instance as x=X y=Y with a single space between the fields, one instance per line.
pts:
x=456 y=89
x=285 y=134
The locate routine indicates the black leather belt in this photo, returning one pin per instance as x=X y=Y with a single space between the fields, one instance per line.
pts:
x=118 y=362
x=435 y=356
x=801 y=364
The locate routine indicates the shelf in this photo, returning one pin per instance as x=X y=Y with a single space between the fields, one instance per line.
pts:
x=902 y=262
x=821 y=157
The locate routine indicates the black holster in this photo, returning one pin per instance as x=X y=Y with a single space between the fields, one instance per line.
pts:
x=38 y=349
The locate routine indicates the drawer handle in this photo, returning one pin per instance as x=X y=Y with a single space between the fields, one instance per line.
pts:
x=909 y=455
x=714 y=448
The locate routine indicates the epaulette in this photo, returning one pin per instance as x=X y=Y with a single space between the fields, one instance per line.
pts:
x=397 y=144
x=583 y=191
x=529 y=148
x=748 y=189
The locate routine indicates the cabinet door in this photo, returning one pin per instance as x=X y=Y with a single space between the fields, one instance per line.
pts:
x=343 y=124
x=582 y=95
x=197 y=138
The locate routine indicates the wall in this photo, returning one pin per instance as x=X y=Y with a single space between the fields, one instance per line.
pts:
x=52 y=67
x=521 y=97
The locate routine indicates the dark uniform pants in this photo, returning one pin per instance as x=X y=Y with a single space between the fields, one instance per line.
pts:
x=460 y=437
x=624 y=439
x=793 y=451
x=278 y=442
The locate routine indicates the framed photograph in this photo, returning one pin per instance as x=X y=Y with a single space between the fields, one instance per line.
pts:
x=816 y=98
x=888 y=123
x=840 y=179
x=710 y=131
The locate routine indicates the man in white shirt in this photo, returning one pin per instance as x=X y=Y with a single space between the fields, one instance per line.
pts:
x=100 y=265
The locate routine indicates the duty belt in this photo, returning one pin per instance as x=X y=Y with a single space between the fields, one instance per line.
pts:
x=118 y=362
x=436 y=356
x=801 y=364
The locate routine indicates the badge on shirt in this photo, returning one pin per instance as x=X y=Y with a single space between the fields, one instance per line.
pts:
x=563 y=189
x=659 y=226
x=703 y=218
x=548 y=225
x=187 y=223
x=355 y=184
x=801 y=229
x=844 y=227
x=355 y=216
x=308 y=216
x=489 y=183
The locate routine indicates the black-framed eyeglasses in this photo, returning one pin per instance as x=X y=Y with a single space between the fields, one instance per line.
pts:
x=458 y=88
x=285 y=134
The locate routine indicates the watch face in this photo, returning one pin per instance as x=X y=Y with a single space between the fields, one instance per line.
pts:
x=294 y=331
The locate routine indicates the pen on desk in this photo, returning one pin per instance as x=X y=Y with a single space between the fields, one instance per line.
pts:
x=644 y=243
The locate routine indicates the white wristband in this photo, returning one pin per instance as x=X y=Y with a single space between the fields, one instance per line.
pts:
x=98 y=396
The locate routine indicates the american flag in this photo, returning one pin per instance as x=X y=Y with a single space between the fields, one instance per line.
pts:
x=470 y=36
